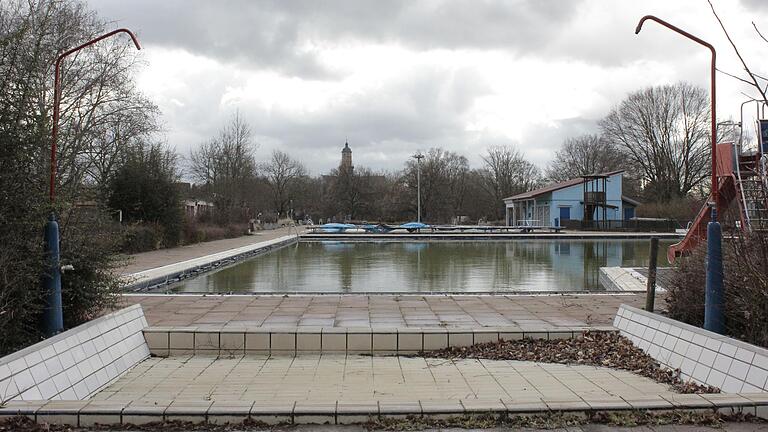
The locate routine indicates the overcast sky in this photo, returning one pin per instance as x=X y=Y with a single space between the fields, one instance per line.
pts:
x=394 y=77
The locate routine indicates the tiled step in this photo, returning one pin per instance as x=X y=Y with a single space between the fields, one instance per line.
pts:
x=171 y=341
x=89 y=413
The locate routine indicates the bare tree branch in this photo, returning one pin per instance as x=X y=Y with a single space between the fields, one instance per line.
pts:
x=734 y=76
x=738 y=54
x=758 y=32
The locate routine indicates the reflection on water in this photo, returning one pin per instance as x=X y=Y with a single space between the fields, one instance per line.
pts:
x=540 y=265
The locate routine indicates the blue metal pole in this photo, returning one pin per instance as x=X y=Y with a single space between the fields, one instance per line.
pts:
x=714 y=319
x=53 y=315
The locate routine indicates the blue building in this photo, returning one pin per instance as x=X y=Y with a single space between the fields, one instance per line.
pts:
x=596 y=197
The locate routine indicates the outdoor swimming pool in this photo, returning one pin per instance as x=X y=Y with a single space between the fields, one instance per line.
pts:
x=441 y=266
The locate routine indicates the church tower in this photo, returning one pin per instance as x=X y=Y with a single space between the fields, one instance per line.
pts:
x=346 y=156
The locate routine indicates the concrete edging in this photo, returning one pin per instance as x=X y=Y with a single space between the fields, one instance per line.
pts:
x=625 y=279
x=484 y=236
x=153 y=278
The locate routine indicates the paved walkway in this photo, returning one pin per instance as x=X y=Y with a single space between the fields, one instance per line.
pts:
x=153 y=259
x=365 y=380
x=524 y=312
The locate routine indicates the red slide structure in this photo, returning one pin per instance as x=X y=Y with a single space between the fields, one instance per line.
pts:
x=740 y=180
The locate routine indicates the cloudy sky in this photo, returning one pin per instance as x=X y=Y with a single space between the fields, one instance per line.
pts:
x=398 y=76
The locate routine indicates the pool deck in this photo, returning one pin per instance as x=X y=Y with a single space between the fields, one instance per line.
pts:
x=323 y=386
x=512 y=312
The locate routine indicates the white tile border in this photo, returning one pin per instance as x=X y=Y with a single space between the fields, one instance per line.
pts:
x=700 y=355
x=78 y=362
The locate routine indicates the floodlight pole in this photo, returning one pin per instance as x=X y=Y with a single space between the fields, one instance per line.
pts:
x=53 y=315
x=418 y=157
x=713 y=310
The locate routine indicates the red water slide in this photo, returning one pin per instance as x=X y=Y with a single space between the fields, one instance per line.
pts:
x=728 y=191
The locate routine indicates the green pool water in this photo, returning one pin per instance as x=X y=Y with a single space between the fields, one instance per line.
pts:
x=443 y=266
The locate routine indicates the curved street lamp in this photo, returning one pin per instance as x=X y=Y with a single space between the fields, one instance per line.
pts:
x=713 y=96
x=713 y=304
x=53 y=316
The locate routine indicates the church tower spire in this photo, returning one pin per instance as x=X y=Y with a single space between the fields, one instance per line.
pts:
x=346 y=156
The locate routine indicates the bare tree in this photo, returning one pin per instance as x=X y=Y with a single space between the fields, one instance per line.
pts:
x=444 y=178
x=585 y=154
x=506 y=172
x=111 y=142
x=665 y=133
x=226 y=164
x=283 y=174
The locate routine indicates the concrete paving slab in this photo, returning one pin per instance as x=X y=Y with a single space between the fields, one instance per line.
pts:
x=554 y=313
x=439 y=385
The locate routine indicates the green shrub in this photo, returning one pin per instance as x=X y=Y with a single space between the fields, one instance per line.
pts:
x=685 y=296
x=197 y=232
x=144 y=190
x=142 y=238
x=90 y=246
x=21 y=266
x=745 y=267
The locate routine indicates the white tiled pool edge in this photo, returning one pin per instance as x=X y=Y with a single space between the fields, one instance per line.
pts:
x=702 y=356
x=161 y=274
x=77 y=363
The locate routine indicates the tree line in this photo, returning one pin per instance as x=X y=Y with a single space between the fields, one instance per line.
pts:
x=658 y=136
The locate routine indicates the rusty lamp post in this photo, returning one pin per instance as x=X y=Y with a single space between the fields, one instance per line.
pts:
x=713 y=311
x=53 y=316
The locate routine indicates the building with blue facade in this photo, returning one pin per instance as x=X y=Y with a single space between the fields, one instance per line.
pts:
x=590 y=198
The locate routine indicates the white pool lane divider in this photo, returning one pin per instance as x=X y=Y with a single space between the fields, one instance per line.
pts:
x=625 y=279
x=77 y=363
x=193 y=267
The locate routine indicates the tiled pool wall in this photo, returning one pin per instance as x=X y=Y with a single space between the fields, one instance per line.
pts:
x=171 y=341
x=77 y=363
x=702 y=356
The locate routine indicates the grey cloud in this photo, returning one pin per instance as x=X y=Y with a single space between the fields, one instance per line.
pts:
x=279 y=34
x=755 y=4
x=243 y=31
x=542 y=141
x=422 y=109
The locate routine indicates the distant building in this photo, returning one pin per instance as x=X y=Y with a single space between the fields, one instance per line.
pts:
x=346 y=157
x=195 y=208
x=193 y=200
x=596 y=197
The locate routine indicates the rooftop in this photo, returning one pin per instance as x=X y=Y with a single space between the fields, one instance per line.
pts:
x=562 y=185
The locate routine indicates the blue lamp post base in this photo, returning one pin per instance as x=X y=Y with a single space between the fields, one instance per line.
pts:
x=714 y=319
x=53 y=316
